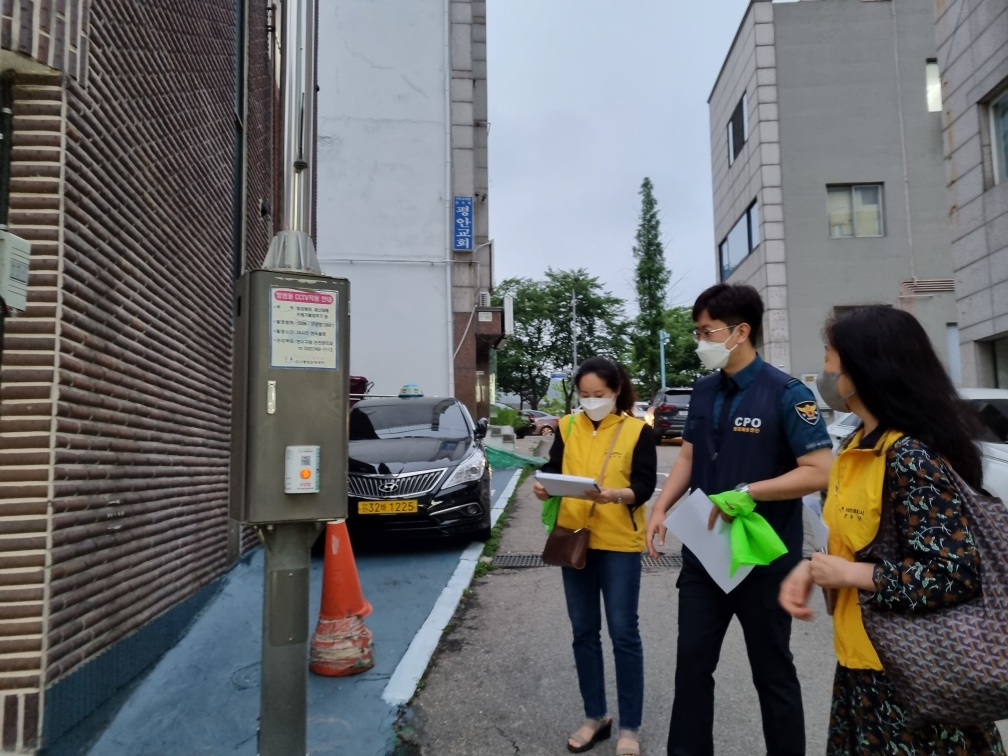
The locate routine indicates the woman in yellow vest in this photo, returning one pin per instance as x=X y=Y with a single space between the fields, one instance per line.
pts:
x=881 y=366
x=606 y=426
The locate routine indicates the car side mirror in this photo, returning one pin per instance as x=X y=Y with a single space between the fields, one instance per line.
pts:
x=481 y=427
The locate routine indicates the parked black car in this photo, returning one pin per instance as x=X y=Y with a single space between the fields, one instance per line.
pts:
x=417 y=465
x=667 y=413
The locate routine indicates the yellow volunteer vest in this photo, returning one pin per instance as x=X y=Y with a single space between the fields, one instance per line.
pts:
x=853 y=511
x=612 y=527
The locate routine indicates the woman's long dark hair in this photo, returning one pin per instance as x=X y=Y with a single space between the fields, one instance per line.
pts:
x=614 y=375
x=901 y=381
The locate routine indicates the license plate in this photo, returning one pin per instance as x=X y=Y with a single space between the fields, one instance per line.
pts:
x=390 y=506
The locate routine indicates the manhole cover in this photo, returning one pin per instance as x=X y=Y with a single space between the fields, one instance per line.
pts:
x=519 y=561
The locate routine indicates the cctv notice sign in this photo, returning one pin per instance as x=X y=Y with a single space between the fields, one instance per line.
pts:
x=303 y=328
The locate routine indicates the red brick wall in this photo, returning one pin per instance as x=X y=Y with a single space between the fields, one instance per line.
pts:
x=115 y=416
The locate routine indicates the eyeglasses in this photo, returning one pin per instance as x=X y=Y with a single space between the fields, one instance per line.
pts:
x=706 y=333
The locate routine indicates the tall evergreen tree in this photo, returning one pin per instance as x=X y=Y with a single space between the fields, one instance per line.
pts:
x=652 y=280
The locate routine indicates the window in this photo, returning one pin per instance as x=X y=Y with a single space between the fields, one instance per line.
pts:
x=738 y=129
x=741 y=240
x=933 y=86
x=854 y=210
x=999 y=137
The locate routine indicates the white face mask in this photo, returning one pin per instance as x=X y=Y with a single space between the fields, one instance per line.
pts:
x=597 y=407
x=714 y=354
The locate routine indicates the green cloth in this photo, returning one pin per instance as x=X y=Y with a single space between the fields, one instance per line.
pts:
x=499 y=458
x=753 y=540
x=550 y=510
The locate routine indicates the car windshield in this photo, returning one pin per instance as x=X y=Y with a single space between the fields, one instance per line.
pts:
x=994 y=414
x=682 y=400
x=404 y=420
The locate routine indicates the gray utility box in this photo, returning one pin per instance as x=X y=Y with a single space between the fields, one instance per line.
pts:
x=290 y=389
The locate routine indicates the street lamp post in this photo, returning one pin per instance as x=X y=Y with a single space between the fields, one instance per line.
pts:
x=574 y=328
x=662 y=336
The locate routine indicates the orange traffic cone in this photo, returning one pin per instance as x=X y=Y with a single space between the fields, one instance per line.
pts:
x=342 y=643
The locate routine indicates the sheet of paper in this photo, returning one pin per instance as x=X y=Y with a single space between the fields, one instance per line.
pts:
x=573 y=486
x=688 y=521
x=813 y=514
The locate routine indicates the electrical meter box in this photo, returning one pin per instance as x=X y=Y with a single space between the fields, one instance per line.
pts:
x=15 y=255
x=290 y=392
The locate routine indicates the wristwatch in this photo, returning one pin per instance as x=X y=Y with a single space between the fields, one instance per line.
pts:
x=742 y=488
x=619 y=497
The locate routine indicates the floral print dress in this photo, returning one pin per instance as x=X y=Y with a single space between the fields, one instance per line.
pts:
x=867 y=715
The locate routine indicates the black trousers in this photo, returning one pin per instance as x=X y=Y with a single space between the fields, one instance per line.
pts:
x=705 y=612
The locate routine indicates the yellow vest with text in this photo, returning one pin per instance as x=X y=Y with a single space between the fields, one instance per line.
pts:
x=853 y=511
x=585 y=447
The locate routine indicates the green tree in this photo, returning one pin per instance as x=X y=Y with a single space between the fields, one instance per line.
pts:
x=524 y=364
x=651 y=280
x=682 y=366
x=583 y=309
x=547 y=314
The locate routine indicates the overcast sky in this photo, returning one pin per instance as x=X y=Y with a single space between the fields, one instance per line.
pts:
x=587 y=97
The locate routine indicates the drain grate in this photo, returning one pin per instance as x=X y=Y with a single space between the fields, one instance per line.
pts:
x=521 y=561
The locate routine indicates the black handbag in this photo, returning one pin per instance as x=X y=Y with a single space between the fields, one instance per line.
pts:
x=950 y=665
x=569 y=548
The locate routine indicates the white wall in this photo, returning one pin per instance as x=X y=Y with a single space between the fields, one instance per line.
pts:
x=382 y=184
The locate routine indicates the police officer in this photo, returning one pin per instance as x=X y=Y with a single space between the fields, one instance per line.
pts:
x=755 y=429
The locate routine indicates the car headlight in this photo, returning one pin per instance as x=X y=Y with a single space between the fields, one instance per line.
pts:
x=471 y=469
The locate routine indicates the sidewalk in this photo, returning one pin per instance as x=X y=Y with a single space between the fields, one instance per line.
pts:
x=202 y=698
x=503 y=680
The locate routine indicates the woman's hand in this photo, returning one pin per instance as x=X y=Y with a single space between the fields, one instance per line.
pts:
x=604 y=495
x=836 y=572
x=796 y=589
x=539 y=491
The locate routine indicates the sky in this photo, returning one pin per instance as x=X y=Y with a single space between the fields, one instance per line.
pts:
x=586 y=98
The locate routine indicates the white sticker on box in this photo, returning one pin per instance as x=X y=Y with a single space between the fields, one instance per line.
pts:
x=301 y=470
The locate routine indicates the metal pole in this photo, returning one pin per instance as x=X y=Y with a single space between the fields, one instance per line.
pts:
x=574 y=363
x=292 y=248
x=661 y=350
x=283 y=699
x=283 y=705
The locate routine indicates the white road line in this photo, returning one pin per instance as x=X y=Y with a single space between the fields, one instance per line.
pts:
x=402 y=684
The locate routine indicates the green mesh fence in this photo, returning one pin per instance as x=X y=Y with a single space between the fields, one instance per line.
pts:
x=500 y=458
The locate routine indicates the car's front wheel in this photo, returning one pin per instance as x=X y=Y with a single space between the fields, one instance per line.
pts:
x=483 y=534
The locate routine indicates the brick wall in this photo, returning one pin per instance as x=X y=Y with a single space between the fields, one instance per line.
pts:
x=114 y=433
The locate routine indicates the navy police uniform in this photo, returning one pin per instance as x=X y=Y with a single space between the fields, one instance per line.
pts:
x=745 y=428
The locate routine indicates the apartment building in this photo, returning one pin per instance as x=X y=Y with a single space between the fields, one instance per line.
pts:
x=124 y=126
x=828 y=177
x=403 y=194
x=972 y=39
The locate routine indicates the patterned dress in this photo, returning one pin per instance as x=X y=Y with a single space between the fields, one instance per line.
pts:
x=867 y=716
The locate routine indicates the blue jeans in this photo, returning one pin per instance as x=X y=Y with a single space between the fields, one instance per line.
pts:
x=616 y=576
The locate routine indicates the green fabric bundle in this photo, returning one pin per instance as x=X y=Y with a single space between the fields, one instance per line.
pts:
x=753 y=540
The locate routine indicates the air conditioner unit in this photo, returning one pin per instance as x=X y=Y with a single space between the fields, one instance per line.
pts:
x=483 y=298
x=15 y=255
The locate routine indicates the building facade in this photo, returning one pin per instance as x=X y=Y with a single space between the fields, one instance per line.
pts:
x=125 y=130
x=826 y=155
x=403 y=198
x=972 y=40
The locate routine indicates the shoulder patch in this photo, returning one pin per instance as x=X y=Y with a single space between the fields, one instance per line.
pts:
x=808 y=411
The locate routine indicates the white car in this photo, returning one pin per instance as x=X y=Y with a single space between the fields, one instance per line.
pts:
x=992 y=404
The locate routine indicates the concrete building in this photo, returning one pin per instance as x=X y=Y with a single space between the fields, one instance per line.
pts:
x=972 y=57
x=403 y=201
x=122 y=131
x=826 y=152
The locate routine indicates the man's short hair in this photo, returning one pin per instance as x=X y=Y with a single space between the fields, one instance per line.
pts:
x=732 y=304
